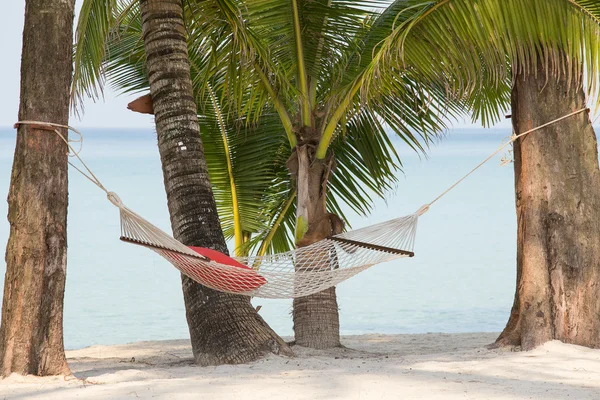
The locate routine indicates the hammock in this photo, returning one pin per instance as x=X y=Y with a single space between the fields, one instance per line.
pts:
x=292 y=274
x=296 y=273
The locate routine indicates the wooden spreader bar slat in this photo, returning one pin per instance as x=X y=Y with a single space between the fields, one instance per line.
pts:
x=372 y=246
x=153 y=246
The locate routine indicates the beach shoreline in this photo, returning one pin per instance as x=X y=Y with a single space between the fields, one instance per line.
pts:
x=420 y=366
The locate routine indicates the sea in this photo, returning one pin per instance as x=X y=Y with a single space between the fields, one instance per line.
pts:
x=462 y=278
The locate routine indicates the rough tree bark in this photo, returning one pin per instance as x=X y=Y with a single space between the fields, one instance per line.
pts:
x=557 y=184
x=224 y=328
x=316 y=317
x=31 y=332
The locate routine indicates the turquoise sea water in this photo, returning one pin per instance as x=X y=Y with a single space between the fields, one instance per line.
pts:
x=461 y=279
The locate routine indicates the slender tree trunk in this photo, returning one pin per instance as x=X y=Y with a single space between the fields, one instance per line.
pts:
x=557 y=184
x=31 y=332
x=316 y=317
x=224 y=328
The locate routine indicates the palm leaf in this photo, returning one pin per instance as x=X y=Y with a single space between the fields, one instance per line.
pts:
x=241 y=169
x=96 y=18
x=479 y=44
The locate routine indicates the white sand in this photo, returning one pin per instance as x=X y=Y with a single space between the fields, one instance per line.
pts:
x=431 y=366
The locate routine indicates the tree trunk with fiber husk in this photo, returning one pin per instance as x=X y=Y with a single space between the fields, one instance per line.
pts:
x=224 y=328
x=31 y=332
x=557 y=184
x=316 y=317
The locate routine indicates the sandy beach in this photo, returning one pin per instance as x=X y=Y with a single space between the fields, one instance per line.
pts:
x=427 y=366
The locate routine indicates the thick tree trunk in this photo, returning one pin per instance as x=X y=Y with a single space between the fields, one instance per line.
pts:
x=316 y=317
x=557 y=184
x=224 y=328
x=31 y=333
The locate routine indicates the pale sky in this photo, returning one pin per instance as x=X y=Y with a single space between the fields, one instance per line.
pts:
x=109 y=112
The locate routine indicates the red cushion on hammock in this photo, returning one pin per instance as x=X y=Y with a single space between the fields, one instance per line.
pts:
x=229 y=280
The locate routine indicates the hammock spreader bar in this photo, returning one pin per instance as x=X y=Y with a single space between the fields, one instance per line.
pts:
x=158 y=248
x=373 y=246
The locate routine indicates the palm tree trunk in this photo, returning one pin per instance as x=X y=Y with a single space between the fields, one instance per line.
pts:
x=316 y=317
x=557 y=184
x=31 y=333
x=224 y=328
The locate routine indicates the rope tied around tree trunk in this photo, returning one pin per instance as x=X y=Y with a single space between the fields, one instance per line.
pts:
x=513 y=138
x=52 y=127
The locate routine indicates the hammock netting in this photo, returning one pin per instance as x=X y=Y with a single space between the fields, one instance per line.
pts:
x=296 y=273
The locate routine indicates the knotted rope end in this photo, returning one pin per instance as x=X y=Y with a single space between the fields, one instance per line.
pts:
x=424 y=208
x=114 y=198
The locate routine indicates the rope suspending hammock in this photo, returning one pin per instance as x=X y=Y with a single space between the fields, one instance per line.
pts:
x=295 y=273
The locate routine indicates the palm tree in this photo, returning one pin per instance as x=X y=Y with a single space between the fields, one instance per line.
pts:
x=224 y=328
x=31 y=334
x=557 y=184
x=544 y=56
x=318 y=66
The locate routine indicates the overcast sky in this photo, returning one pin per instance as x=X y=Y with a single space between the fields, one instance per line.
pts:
x=110 y=112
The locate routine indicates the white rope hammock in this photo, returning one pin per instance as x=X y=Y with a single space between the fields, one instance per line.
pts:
x=296 y=273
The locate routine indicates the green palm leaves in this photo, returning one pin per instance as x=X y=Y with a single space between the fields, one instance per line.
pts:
x=96 y=20
x=268 y=74
x=475 y=46
x=247 y=99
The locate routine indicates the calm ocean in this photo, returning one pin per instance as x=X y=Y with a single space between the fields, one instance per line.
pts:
x=461 y=279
